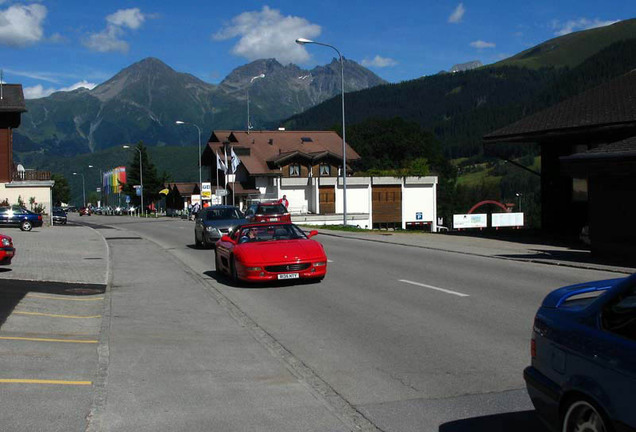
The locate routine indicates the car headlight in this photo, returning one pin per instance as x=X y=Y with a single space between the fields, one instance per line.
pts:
x=6 y=242
x=212 y=230
x=320 y=264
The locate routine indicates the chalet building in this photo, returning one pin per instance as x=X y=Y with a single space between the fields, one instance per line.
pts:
x=180 y=194
x=588 y=164
x=307 y=168
x=16 y=181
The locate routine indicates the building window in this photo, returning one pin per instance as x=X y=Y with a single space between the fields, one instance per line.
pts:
x=294 y=170
x=325 y=170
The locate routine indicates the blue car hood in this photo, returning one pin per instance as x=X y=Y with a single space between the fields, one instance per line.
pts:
x=558 y=296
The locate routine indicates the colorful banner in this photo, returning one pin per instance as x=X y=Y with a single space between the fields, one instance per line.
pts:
x=114 y=180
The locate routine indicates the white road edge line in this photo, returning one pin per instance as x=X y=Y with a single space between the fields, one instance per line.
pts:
x=434 y=288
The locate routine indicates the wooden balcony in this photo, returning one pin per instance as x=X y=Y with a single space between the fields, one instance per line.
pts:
x=31 y=175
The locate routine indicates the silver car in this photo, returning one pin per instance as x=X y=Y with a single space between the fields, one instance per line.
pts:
x=214 y=222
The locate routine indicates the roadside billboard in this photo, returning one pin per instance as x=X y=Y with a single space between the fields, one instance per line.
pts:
x=507 y=219
x=462 y=221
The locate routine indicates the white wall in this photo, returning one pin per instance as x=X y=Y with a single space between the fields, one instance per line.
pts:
x=419 y=198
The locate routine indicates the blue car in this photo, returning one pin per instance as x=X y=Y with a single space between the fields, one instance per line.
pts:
x=20 y=217
x=583 y=348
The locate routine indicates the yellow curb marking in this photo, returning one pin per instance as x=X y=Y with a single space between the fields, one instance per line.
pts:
x=55 y=315
x=39 y=381
x=85 y=341
x=64 y=298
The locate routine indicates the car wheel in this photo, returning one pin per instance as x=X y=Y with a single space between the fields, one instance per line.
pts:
x=26 y=226
x=197 y=243
x=582 y=415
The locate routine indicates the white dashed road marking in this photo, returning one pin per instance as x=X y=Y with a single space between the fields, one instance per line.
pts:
x=434 y=288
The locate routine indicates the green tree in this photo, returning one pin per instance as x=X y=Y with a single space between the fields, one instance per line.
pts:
x=152 y=182
x=61 y=190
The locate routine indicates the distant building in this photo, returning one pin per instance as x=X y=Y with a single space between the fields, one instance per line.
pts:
x=306 y=166
x=588 y=164
x=16 y=181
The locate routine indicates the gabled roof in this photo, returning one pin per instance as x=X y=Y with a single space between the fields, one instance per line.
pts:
x=184 y=188
x=12 y=98
x=276 y=146
x=619 y=149
x=610 y=105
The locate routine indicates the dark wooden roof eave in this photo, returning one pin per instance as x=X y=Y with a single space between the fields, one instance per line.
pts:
x=550 y=135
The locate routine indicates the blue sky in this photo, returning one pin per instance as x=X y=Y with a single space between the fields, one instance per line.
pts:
x=58 y=45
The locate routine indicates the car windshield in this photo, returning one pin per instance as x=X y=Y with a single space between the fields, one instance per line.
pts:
x=222 y=214
x=271 y=209
x=270 y=233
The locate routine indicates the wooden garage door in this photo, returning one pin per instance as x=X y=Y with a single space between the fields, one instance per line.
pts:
x=327 y=197
x=387 y=205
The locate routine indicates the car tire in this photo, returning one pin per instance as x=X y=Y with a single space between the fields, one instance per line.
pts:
x=582 y=414
x=197 y=243
x=26 y=226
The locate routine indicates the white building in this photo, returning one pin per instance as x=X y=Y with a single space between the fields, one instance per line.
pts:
x=306 y=166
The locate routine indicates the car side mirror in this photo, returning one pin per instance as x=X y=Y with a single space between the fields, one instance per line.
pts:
x=228 y=239
x=312 y=233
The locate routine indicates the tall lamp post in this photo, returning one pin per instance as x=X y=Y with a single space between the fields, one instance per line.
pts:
x=303 y=41
x=141 y=177
x=101 y=185
x=83 y=189
x=247 y=93
x=179 y=122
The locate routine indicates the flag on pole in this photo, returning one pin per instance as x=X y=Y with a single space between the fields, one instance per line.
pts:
x=220 y=165
x=235 y=161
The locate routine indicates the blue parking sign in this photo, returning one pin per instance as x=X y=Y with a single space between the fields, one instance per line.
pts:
x=419 y=216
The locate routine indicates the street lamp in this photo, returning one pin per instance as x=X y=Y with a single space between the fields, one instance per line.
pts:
x=141 y=177
x=100 y=183
x=179 y=122
x=83 y=188
x=247 y=92
x=303 y=41
x=519 y=199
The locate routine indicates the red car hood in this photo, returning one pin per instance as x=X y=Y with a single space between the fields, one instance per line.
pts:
x=280 y=251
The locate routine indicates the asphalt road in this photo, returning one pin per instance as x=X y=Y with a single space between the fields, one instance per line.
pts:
x=395 y=338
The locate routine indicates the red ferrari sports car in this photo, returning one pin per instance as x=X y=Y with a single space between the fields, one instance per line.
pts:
x=7 y=251
x=263 y=252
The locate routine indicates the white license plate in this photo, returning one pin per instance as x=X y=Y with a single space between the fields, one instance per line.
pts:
x=288 y=276
x=273 y=219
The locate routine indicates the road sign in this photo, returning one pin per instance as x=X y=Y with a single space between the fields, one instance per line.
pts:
x=206 y=191
x=220 y=192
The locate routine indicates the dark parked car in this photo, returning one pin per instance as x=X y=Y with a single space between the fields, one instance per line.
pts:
x=583 y=348
x=214 y=222
x=267 y=212
x=59 y=216
x=20 y=217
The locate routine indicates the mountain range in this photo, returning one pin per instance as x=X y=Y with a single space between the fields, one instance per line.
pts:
x=143 y=101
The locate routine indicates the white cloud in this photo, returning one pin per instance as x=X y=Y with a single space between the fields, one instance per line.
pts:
x=131 y=18
x=379 y=62
x=269 y=34
x=21 y=25
x=38 y=91
x=579 y=24
x=480 y=44
x=458 y=14
x=110 y=39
